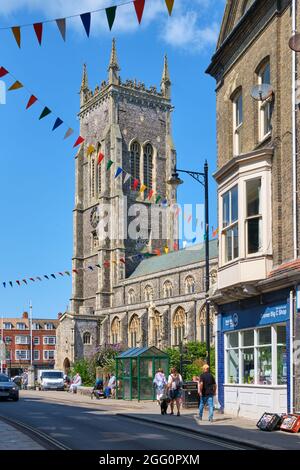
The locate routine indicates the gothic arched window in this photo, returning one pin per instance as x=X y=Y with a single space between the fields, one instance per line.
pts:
x=131 y=297
x=115 y=331
x=134 y=331
x=168 y=289
x=189 y=285
x=156 y=329
x=148 y=165
x=179 y=326
x=86 y=338
x=135 y=155
x=93 y=177
x=148 y=293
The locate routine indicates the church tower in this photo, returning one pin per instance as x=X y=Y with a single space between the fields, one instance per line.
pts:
x=130 y=125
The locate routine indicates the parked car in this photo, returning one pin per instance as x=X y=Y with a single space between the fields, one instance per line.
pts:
x=8 y=389
x=50 y=379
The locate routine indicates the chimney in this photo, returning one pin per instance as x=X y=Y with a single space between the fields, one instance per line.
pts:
x=25 y=315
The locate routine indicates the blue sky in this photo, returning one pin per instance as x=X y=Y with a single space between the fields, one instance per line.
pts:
x=37 y=171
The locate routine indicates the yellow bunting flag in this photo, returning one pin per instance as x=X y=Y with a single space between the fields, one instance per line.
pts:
x=90 y=150
x=16 y=30
x=166 y=249
x=143 y=187
x=170 y=4
x=15 y=86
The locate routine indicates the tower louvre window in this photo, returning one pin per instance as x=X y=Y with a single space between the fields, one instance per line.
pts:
x=93 y=174
x=148 y=165
x=135 y=155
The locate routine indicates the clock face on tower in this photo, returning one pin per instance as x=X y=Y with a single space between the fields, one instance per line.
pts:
x=94 y=217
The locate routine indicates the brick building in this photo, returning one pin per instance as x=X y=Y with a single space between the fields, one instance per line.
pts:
x=16 y=336
x=258 y=176
x=158 y=300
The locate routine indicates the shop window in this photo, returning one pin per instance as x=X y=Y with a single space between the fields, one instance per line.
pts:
x=281 y=356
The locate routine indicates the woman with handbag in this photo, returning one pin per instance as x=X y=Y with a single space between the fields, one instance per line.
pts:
x=175 y=390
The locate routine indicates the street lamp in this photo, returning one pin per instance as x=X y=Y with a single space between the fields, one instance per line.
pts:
x=202 y=178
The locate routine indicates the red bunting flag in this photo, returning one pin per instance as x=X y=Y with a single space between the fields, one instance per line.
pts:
x=170 y=4
x=38 y=28
x=100 y=158
x=176 y=246
x=151 y=192
x=78 y=141
x=31 y=101
x=135 y=184
x=122 y=260
x=157 y=252
x=106 y=264
x=75 y=271
x=215 y=233
x=3 y=72
x=189 y=219
x=16 y=30
x=31 y=279
x=139 y=8
x=18 y=282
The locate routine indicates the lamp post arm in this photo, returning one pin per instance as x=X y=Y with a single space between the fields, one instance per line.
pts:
x=198 y=176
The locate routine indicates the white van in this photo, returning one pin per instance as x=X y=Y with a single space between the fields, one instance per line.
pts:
x=51 y=379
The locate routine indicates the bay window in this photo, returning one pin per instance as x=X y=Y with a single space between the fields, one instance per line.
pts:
x=230 y=224
x=253 y=216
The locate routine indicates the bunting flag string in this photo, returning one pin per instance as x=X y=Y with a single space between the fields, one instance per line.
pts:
x=86 y=18
x=16 y=85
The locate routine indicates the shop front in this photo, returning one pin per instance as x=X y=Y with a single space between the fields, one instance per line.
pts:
x=253 y=356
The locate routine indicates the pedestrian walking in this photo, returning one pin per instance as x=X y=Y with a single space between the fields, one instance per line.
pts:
x=175 y=390
x=207 y=389
x=25 y=379
x=159 y=383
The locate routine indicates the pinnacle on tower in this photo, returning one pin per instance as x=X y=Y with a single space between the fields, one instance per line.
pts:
x=165 y=81
x=84 y=81
x=113 y=68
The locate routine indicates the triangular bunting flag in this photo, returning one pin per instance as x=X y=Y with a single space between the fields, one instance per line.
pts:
x=98 y=265
x=47 y=277
x=135 y=184
x=86 y=20
x=170 y=4
x=90 y=150
x=151 y=192
x=38 y=28
x=166 y=248
x=91 y=268
x=67 y=273
x=111 y=14
x=157 y=252
x=61 y=24
x=3 y=72
x=11 y=284
x=143 y=187
x=39 y=278
x=18 y=282
x=16 y=30
x=68 y=133
x=45 y=112
x=127 y=177
x=61 y=274
x=118 y=172
x=100 y=158
x=106 y=264
x=57 y=123
x=175 y=246
x=189 y=219
x=24 y=280
x=15 y=86
x=157 y=199
x=75 y=271
x=109 y=164
x=4 y=284
x=139 y=8
x=53 y=275
x=31 y=279
x=31 y=101
x=194 y=239
x=122 y=260
x=78 y=141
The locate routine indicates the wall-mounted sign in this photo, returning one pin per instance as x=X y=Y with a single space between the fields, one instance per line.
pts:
x=254 y=317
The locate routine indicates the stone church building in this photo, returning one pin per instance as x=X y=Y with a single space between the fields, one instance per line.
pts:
x=158 y=300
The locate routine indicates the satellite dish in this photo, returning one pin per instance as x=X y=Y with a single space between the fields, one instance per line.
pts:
x=294 y=42
x=261 y=92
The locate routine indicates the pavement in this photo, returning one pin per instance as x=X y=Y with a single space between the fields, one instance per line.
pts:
x=235 y=430
x=12 y=439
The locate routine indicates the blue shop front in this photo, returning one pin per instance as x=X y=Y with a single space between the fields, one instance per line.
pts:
x=253 y=355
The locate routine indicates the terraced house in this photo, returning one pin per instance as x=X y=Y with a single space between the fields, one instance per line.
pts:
x=258 y=179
